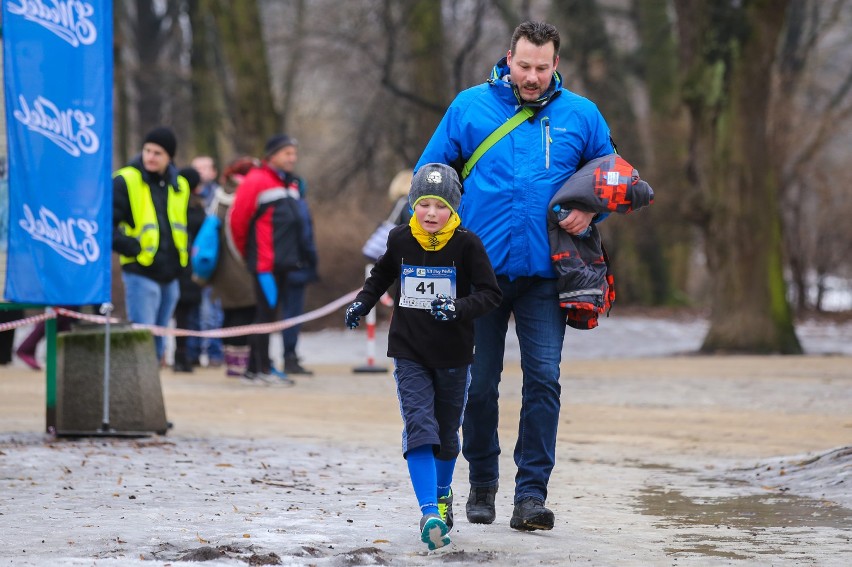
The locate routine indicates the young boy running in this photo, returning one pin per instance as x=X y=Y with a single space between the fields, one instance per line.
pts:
x=445 y=282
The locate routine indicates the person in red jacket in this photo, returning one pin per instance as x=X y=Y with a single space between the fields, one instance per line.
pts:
x=267 y=230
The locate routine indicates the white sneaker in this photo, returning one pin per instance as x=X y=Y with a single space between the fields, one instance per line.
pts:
x=254 y=379
x=280 y=378
x=433 y=531
x=273 y=380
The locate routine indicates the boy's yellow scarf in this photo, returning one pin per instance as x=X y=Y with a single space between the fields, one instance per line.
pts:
x=432 y=242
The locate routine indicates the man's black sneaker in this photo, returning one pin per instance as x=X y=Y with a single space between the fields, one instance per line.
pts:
x=530 y=514
x=480 y=504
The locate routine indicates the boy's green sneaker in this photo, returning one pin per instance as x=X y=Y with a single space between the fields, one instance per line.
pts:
x=445 y=507
x=433 y=531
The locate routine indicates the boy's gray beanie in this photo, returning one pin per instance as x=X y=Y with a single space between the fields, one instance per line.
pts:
x=436 y=180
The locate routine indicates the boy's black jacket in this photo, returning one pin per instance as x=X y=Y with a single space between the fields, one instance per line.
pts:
x=414 y=333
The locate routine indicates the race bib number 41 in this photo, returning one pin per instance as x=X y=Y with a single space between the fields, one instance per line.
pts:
x=419 y=285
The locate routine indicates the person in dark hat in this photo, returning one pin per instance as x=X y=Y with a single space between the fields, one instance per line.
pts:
x=150 y=202
x=271 y=231
x=284 y=148
x=445 y=282
x=187 y=313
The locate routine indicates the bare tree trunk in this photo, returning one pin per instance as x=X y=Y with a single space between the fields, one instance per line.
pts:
x=294 y=56
x=245 y=73
x=425 y=39
x=124 y=124
x=728 y=53
x=802 y=141
x=208 y=112
x=151 y=77
x=601 y=74
x=668 y=133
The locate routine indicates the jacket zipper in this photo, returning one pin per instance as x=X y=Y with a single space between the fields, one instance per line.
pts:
x=545 y=122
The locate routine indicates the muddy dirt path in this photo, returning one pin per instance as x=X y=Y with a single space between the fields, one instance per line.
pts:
x=670 y=461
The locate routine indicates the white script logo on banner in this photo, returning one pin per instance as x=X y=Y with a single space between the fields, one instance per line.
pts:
x=70 y=20
x=61 y=235
x=69 y=129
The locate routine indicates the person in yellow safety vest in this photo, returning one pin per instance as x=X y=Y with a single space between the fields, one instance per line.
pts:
x=149 y=206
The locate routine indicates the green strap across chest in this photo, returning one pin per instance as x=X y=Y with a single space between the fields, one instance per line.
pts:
x=512 y=123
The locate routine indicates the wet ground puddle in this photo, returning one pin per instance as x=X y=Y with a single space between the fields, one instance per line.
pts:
x=753 y=514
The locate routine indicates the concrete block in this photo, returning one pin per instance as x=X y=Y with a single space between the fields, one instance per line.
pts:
x=135 y=393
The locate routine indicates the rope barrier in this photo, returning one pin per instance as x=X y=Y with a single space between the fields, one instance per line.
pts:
x=26 y=321
x=212 y=333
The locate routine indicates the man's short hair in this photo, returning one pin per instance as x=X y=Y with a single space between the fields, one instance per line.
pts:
x=537 y=33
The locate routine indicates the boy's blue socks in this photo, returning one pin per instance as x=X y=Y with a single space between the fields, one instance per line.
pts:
x=444 y=472
x=421 y=468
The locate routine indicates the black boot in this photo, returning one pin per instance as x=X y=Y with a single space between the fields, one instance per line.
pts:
x=292 y=366
x=530 y=514
x=182 y=363
x=480 y=504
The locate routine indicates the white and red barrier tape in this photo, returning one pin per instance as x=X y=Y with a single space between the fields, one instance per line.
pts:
x=213 y=333
x=26 y=321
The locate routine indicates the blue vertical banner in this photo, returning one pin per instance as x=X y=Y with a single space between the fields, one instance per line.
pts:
x=57 y=57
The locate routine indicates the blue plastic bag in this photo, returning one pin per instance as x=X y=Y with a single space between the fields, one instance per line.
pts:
x=205 y=249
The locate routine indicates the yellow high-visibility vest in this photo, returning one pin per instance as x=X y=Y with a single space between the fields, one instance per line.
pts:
x=147 y=231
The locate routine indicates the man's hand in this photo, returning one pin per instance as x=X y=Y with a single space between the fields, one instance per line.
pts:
x=577 y=221
x=354 y=313
x=444 y=308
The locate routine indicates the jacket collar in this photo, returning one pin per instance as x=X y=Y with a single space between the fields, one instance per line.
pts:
x=500 y=78
x=288 y=179
x=170 y=176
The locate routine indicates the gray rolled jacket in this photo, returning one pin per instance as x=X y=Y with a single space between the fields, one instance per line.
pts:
x=604 y=185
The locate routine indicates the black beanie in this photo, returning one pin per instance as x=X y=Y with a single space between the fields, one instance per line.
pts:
x=163 y=137
x=191 y=175
x=277 y=142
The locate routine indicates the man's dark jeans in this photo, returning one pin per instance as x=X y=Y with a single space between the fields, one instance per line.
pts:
x=540 y=326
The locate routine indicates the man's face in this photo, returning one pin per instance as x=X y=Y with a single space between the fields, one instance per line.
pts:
x=205 y=168
x=285 y=159
x=155 y=158
x=531 y=68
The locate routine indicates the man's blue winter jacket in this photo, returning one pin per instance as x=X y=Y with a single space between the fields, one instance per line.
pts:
x=506 y=194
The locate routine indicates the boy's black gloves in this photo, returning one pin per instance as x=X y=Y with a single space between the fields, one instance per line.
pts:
x=354 y=313
x=444 y=308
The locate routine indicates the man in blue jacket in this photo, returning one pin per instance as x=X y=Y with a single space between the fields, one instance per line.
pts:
x=505 y=203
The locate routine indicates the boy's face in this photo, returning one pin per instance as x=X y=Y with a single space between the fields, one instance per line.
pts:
x=432 y=214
